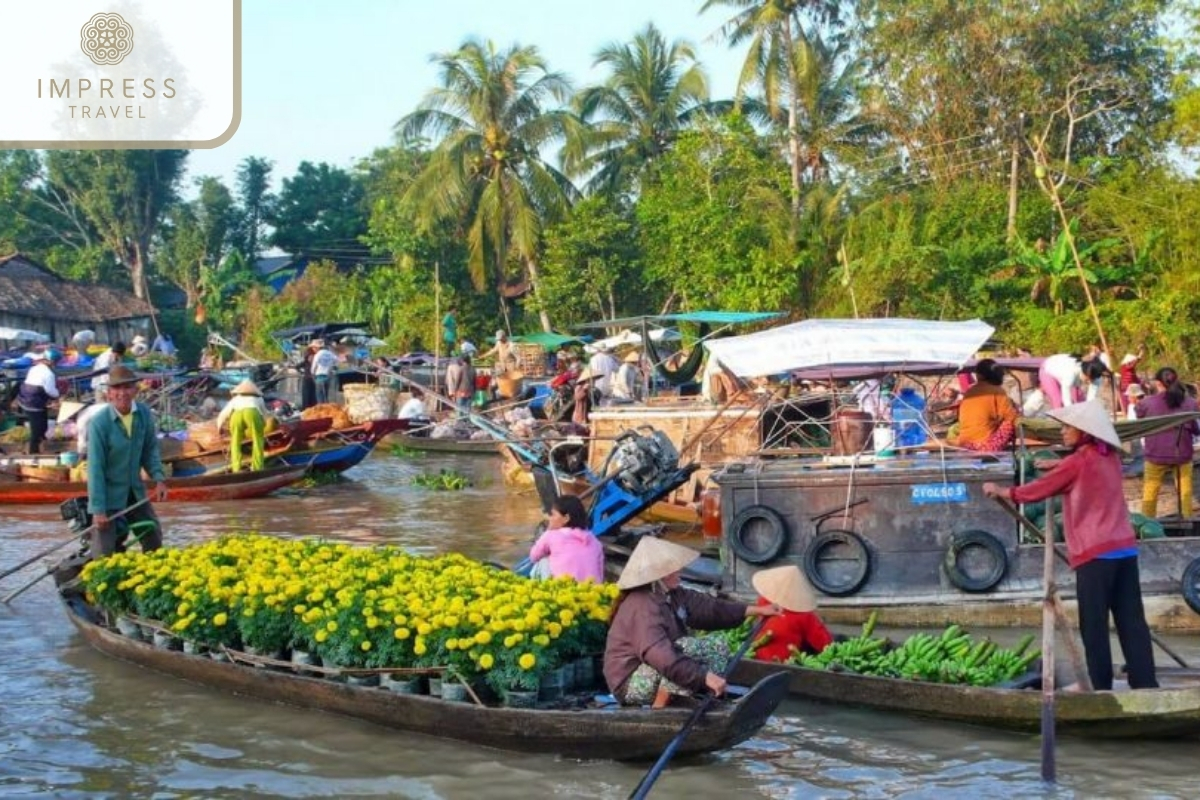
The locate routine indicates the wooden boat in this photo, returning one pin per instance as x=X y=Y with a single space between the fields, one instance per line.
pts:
x=1167 y=712
x=339 y=450
x=202 y=488
x=428 y=444
x=625 y=734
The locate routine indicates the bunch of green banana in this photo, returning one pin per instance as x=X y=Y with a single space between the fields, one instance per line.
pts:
x=951 y=657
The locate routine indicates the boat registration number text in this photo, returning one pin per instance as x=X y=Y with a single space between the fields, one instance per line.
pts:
x=923 y=493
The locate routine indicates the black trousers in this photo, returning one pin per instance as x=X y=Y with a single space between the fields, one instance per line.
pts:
x=1112 y=586
x=111 y=539
x=39 y=421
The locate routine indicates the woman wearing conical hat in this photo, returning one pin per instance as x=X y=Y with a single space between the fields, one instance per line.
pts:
x=1101 y=544
x=246 y=414
x=649 y=654
x=798 y=628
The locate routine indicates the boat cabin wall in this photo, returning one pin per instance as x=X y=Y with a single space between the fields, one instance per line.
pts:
x=904 y=517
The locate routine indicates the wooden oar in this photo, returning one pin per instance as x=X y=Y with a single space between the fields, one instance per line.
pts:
x=61 y=545
x=1028 y=525
x=1048 y=764
x=643 y=788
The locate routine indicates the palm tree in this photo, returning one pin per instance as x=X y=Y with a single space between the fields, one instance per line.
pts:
x=831 y=122
x=634 y=116
x=490 y=123
x=773 y=27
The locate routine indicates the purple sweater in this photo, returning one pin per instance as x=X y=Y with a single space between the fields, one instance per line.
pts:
x=1172 y=446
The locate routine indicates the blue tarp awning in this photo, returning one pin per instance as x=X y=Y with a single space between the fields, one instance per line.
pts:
x=710 y=317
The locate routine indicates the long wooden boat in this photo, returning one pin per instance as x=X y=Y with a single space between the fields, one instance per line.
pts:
x=624 y=734
x=428 y=444
x=1167 y=712
x=202 y=488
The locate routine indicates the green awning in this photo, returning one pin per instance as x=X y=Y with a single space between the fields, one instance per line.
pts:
x=548 y=341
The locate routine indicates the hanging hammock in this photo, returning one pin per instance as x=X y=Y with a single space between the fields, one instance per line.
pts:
x=689 y=369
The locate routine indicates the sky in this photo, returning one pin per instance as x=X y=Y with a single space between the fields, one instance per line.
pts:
x=325 y=81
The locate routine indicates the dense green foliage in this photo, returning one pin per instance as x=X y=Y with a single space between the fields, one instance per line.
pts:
x=938 y=159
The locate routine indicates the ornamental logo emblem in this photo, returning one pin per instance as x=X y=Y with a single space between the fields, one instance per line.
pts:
x=106 y=39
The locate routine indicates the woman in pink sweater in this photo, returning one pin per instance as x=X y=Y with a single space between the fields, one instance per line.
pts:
x=1101 y=544
x=568 y=547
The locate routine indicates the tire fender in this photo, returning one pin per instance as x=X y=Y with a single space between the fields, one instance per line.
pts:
x=758 y=534
x=1189 y=585
x=859 y=551
x=984 y=541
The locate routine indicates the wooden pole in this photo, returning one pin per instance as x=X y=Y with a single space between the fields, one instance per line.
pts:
x=1048 y=765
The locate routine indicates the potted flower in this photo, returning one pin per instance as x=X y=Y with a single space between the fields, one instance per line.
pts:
x=515 y=674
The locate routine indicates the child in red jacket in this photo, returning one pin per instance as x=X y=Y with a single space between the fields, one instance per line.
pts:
x=798 y=628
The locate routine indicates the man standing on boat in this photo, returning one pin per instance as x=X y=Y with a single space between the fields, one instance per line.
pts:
x=122 y=443
x=323 y=363
x=38 y=389
x=104 y=362
x=603 y=368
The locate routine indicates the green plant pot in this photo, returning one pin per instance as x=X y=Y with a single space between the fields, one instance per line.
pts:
x=128 y=627
x=553 y=684
x=454 y=692
x=164 y=640
x=516 y=698
x=362 y=680
x=435 y=687
x=585 y=677
x=403 y=684
x=194 y=648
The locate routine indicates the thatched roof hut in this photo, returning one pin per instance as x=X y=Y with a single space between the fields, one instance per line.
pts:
x=34 y=298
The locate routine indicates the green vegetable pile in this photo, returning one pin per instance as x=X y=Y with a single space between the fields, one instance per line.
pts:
x=447 y=480
x=952 y=657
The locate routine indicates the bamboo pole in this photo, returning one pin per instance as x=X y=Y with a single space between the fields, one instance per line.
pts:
x=1048 y=765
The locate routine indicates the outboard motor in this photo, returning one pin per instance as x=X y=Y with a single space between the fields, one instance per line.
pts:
x=640 y=461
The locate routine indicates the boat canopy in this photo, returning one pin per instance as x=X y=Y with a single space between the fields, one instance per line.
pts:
x=710 y=317
x=547 y=341
x=325 y=330
x=884 y=344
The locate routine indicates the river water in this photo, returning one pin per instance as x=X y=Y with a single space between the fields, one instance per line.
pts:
x=74 y=723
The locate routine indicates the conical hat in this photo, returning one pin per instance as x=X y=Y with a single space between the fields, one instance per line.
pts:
x=586 y=375
x=1090 y=417
x=785 y=586
x=652 y=560
x=246 y=387
x=68 y=409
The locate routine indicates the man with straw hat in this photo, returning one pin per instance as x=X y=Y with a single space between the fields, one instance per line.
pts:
x=649 y=654
x=1101 y=544
x=627 y=384
x=246 y=415
x=121 y=442
x=798 y=628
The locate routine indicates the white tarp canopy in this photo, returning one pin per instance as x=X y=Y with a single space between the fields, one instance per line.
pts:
x=21 y=335
x=888 y=343
x=629 y=337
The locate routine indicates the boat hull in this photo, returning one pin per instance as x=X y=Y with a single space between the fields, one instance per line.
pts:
x=428 y=444
x=1170 y=712
x=202 y=488
x=623 y=734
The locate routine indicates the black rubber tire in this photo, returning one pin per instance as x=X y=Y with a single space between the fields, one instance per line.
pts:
x=1189 y=585
x=749 y=544
x=985 y=541
x=855 y=580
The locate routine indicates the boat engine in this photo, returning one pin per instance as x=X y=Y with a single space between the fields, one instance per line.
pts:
x=639 y=462
x=76 y=512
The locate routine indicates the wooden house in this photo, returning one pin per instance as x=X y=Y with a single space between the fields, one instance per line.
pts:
x=34 y=298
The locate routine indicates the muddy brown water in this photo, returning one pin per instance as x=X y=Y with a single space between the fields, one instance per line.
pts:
x=74 y=723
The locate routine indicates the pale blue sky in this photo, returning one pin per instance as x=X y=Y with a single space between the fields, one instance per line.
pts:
x=325 y=81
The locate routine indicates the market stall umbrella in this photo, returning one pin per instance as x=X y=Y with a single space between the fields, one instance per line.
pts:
x=887 y=343
x=22 y=335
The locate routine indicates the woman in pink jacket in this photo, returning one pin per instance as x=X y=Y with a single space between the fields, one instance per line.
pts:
x=568 y=547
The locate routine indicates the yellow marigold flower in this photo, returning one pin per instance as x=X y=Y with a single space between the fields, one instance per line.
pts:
x=541 y=639
x=483 y=637
x=401 y=633
x=566 y=616
x=366 y=645
x=331 y=626
x=452 y=644
x=220 y=619
x=400 y=619
x=527 y=661
x=299 y=609
x=321 y=635
x=486 y=661
x=419 y=648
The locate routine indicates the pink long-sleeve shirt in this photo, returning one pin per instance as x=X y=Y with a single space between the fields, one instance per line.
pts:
x=572 y=551
x=1097 y=520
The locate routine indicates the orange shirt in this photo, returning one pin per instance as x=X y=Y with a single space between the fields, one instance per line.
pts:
x=984 y=407
x=792 y=630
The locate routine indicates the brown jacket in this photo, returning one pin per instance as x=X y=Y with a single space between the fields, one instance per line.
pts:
x=646 y=627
